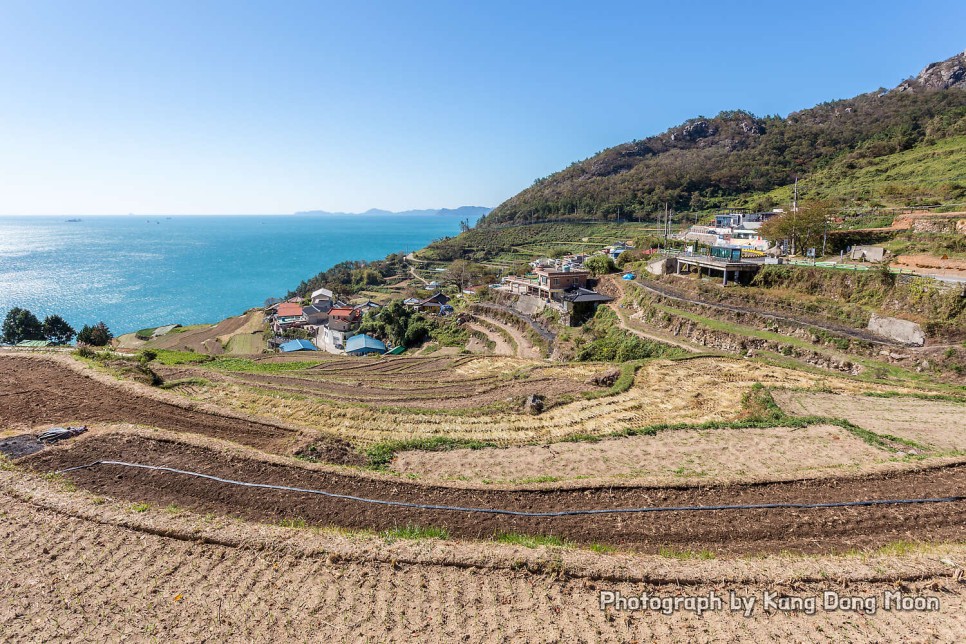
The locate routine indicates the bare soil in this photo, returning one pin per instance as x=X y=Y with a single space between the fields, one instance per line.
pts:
x=667 y=458
x=735 y=531
x=74 y=571
x=39 y=392
x=938 y=424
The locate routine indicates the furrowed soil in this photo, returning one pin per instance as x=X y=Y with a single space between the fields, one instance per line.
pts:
x=731 y=531
x=78 y=571
x=41 y=392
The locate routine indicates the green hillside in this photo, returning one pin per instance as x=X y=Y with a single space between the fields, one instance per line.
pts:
x=929 y=174
x=855 y=149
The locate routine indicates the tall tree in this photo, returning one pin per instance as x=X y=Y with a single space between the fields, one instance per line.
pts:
x=57 y=330
x=20 y=324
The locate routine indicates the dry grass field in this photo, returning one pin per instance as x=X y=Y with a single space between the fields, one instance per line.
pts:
x=480 y=397
x=667 y=458
x=938 y=424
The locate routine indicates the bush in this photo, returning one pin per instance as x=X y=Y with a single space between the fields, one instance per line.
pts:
x=397 y=324
x=96 y=336
x=600 y=264
x=85 y=351
x=147 y=355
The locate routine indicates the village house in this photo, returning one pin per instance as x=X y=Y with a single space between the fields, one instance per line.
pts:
x=547 y=284
x=367 y=306
x=288 y=315
x=433 y=304
x=321 y=295
x=581 y=304
x=344 y=318
x=297 y=345
x=317 y=314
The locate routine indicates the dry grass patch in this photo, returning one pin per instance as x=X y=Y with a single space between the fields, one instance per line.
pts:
x=935 y=423
x=681 y=456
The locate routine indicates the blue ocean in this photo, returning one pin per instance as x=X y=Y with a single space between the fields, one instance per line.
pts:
x=134 y=272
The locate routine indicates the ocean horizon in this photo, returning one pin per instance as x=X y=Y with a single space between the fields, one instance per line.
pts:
x=140 y=271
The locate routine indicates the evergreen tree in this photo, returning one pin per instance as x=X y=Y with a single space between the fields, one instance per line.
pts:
x=19 y=325
x=57 y=331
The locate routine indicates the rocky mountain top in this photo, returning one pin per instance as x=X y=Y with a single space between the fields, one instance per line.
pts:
x=937 y=76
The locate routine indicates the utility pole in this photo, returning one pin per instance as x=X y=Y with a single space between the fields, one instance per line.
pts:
x=667 y=223
x=824 y=233
x=795 y=199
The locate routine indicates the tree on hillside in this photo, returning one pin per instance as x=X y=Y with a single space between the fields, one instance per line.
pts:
x=57 y=331
x=96 y=336
x=397 y=323
x=462 y=273
x=19 y=325
x=600 y=264
x=802 y=229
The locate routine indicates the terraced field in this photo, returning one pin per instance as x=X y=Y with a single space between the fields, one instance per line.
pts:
x=481 y=398
x=938 y=424
x=100 y=571
x=112 y=551
x=430 y=383
x=666 y=458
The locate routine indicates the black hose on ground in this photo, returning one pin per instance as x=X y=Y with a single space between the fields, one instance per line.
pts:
x=520 y=513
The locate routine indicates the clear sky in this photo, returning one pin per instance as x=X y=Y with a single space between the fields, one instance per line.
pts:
x=270 y=107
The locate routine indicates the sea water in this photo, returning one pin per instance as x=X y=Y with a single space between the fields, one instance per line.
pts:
x=135 y=272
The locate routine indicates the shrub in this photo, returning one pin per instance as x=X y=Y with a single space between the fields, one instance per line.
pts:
x=600 y=264
x=96 y=336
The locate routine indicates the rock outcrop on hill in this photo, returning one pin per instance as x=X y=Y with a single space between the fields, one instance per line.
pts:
x=938 y=76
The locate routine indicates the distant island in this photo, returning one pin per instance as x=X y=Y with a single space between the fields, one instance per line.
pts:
x=471 y=212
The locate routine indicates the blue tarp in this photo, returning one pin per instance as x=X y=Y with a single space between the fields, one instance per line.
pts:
x=298 y=345
x=628 y=276
x=363 y=343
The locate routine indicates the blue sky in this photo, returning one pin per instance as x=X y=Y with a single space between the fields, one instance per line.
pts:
x=209 y=107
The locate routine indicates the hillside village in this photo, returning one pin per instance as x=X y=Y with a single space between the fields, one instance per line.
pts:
x=625 y=378
x=322 y=322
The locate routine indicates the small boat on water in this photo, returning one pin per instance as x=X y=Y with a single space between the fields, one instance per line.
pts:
x=73 y=221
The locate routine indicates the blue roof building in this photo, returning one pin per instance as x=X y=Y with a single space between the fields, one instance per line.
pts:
x=298 y=345
x=360 y=345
